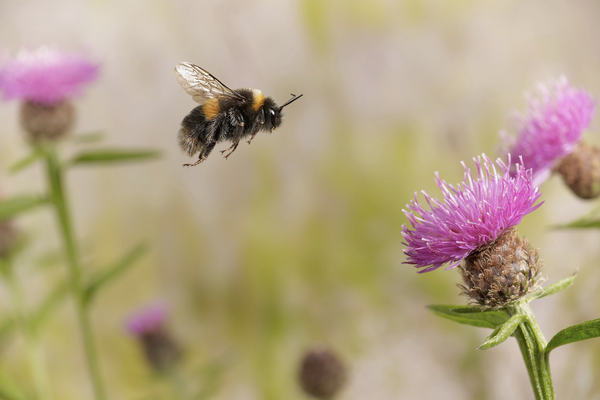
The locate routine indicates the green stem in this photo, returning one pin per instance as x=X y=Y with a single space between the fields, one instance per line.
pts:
x=177 y=383
x=55 y=174
x=34 y=352
x=532 y=344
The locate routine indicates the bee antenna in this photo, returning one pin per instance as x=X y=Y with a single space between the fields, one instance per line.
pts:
x=294 y=98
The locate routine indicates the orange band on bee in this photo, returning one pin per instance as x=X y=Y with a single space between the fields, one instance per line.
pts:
x=211 y=109
x=258 y=99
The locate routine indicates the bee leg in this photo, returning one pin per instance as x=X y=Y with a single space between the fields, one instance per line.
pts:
x=203 y=154
x=261 y=119
x=252 y=137
x=230 y=149
x=200 y=159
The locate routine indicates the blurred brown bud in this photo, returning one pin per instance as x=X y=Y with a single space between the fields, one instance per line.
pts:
x=149 y=326
x=160 y=349
x=47 y=122
x=581 y=171
x=322 y=374
x=501 y=273
x=8 y=237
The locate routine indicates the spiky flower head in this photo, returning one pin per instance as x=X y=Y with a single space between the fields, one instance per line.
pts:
x=149 y=326
x=471 y=216
x=149 y=319
x=45 y=80
x=322 y=374
x=45 y=75
x=550 y=128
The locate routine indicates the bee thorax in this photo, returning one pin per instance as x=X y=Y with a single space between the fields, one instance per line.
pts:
x=258 y=99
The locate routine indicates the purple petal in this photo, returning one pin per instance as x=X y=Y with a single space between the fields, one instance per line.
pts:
x=551 y=127
x=470 y=216
x=45 y=75
x=148 y=319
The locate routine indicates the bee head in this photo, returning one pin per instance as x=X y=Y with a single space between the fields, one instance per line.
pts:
x=273 y=113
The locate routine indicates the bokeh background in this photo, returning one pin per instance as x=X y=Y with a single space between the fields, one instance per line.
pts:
x=295 y=240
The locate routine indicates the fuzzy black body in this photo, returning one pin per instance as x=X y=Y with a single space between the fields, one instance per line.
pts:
x=235 y=120
x=223 y=114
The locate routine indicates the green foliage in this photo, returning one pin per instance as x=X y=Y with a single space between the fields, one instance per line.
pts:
x=108 y=156
x=575 y=333
x=10 y=391
x=38 y=316
x=16 y=205
x=6 y=328
x=501 y=333
x=473 y=316
x=112 y=272
x=86 y=138
x=590 y=220
x=553 y=289
x=580 y=224
x=36 y=154
x=316 y=20
x=48 y=304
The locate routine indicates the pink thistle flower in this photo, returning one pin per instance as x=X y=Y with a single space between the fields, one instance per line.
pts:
x=45 y=75
x=150 y=319
x=471 y=216
x=148 y=325
x=551 y=128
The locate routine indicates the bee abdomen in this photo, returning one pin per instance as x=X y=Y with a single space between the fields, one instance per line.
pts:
x=194 y=131
x=187 y=143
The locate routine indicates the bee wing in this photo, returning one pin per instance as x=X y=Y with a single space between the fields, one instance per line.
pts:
x=201 y=85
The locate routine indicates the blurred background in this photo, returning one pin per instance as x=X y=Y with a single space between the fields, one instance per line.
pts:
x=296 y=239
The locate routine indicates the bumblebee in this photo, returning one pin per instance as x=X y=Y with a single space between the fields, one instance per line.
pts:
x=223 y=114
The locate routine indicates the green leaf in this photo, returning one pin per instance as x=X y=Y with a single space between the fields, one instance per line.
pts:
x=580 y=224
x=25 y=162
x=553 y=289
x=575 y=333
x=109 y=274
x=39 y=316
x=85 y=138
x=16 y=205
x=590 y=220
x=470 y=315
x=50 y=302
x=503 y=332
x=106 y=156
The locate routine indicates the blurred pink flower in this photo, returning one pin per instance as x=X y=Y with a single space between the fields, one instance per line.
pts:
x=471 y=216
x=150 y=319
x=45 y=75
x=551 y=127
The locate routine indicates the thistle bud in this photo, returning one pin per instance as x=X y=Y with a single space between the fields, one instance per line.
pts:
x=47 y=122
x=501 y=272
x=321 y=374
x=581 y=171
x=159 y=348
x=45 y=79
